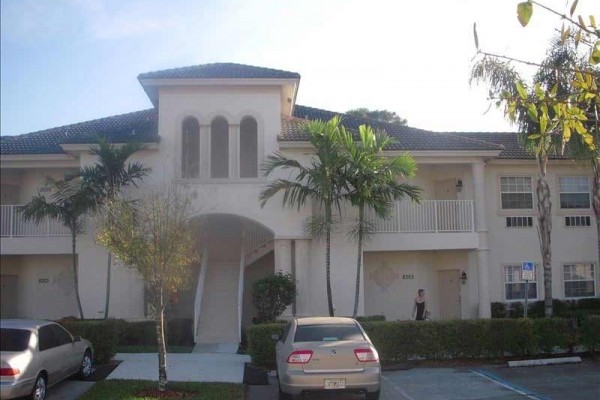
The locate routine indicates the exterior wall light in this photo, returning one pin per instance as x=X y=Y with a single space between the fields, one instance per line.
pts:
x=463 y=277
x=459 y=185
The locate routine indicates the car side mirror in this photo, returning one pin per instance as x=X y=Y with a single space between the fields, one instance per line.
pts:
x=275 y=337
x=77 y=338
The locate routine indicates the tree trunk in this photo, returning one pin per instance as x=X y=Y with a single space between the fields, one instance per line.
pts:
x=544 y=206
x=108 y=270
x=160 y=338
x=361 y=216
x=596 y=198
x=75 y=273
x=328 y=258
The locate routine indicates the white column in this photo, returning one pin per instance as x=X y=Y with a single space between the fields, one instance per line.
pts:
x=302 y=277
x=234 y=134
x=204 y=151
x=283 y=262
x=478 y=169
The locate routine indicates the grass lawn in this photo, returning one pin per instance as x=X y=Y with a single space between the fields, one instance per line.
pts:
x=127 y=390
x=142 y=348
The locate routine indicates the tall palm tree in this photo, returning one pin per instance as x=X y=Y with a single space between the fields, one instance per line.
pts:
x=107 y=177
x=68 y=203
x=371 y=180
x=319 y=181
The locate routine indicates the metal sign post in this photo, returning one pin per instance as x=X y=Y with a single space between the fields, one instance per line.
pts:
x=527 y=274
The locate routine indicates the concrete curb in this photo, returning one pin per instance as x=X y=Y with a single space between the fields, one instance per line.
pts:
x=544 y=361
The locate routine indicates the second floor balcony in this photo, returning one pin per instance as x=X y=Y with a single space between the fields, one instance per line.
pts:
x=430 y=224
x=19 y=236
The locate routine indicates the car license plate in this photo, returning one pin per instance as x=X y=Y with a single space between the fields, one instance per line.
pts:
x=334 y=383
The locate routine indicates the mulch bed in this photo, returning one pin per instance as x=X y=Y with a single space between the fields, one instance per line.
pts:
x=166 y=394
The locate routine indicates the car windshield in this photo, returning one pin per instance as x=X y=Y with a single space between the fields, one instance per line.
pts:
x=326 y=333
x=14 y=339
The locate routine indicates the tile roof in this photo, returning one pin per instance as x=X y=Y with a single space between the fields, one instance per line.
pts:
x=407 y=138
x=220 y=70
x=513 y=149
x=140 y=125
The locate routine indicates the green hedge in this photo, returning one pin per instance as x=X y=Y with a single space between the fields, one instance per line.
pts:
x=260 y=345
x=535 y=309
x=104 y=336
x=590 y=332
x=406 y=340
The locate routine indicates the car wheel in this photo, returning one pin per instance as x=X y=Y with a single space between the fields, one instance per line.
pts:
x=373 y=395
x=85 y=369
x=39 y=389
x=283 y=395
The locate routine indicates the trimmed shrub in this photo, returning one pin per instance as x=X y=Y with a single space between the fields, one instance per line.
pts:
x=260 y=345
x=590 y=332
x=510 y=337
x=272 y=294
x=498 y=310
x=562 y=308
x=553 y=333
x=369 y=318
x=180 y=331
x=103 y=334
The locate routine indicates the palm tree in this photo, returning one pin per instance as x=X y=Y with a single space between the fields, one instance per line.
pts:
x=320 y=181
x=68 y=203
x=107 y=177
x=371 y=179
x=538 y=129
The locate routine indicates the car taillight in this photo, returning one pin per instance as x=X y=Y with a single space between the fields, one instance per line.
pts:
x=366 y=355
x=9 y=372
x=300 y=357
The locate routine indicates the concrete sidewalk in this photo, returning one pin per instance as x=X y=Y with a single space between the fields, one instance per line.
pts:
x=183 y=367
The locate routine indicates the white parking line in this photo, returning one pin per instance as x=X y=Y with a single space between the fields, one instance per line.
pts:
x=396 y=388
x=507 y=385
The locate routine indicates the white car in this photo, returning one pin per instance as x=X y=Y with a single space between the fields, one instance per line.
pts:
x=326 y=354
x=36 y=354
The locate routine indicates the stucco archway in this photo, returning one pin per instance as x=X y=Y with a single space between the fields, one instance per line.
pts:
x=236 y=251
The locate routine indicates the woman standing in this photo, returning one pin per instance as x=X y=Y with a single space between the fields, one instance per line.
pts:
x=420 y=308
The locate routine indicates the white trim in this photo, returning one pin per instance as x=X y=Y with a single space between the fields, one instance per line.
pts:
x=504 y=282
x=525 y=211
x=566 y=211
x=594 y=279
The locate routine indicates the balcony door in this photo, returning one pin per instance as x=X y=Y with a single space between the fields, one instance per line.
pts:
x=445 y=189
x=450 y=294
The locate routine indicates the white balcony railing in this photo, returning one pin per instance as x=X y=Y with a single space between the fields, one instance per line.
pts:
x=12 y=224
x=428 y=216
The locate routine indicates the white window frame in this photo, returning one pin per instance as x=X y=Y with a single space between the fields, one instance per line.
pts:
x=589 y=192
x=594 y=278
x=514 y=191
x=505 y=282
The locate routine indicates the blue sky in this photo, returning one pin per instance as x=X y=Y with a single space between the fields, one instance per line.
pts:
x=67 y=61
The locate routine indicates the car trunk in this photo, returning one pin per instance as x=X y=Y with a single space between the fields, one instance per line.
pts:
x=332 y=357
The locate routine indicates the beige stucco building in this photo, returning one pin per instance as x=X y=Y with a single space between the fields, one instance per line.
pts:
x=210 y=128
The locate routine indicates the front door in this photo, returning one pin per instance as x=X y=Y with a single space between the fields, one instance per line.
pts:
x=450 y=294
x=8 y=296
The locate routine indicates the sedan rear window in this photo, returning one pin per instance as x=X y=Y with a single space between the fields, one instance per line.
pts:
x=14 y=339
x=326 y=333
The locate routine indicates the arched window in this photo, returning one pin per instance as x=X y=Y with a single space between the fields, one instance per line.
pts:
x=190 y=148
x=248 y=148
x=219 y=148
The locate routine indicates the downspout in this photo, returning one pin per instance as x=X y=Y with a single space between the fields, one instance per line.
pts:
x=200 y=290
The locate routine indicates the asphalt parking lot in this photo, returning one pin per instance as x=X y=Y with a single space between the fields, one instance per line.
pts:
x=557 y=382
